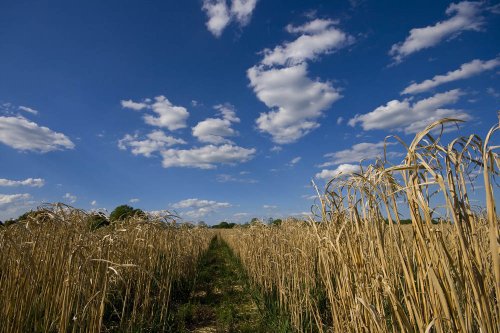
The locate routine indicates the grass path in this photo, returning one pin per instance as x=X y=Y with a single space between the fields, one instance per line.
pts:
x=221 y=300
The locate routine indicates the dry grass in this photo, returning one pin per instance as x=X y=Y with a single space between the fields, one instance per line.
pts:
x=353 y=267
x=360 y=270
x=58 y=276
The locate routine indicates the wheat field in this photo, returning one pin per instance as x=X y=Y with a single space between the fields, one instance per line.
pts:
x=353 y=266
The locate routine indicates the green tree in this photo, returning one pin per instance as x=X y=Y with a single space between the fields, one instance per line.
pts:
x=123 y=212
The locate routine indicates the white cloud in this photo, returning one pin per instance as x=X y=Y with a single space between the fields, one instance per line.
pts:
x=242 y=10
x=93 y=203
x=156 y=141
x=297 y=101
x=32 y=182
x=198 y=208
x=314 y=42
x=269 y=206
x=216 y=130
x=129 y=104
x=13 y=205
x=466 y=16
x=358 y=152
x=70 y=197
x=465 y=71
x=340 y=120
x=225 y=178
x=167 y=115
x=294 y=161
x=281 y=81
x=312 y=27
x=276 y=149
x=22 y=134
x=220 y=15
x=28 y=109
x=206 y=157
x=343 y=169
x=8 y=199
x=134 y=200
x=491 y=91
x=402 y=115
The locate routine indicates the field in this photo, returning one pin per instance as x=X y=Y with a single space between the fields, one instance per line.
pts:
x=353 y=266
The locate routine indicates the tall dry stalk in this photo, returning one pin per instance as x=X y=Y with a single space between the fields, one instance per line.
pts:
x=361 y=269
x=58 y=276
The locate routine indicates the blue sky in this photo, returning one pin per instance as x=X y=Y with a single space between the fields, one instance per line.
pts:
x=227 y=109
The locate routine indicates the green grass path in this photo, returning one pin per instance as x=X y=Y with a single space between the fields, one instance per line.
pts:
x=221 y=299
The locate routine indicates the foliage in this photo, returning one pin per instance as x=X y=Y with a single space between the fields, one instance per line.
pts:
x=124 y=212
x=224 y=225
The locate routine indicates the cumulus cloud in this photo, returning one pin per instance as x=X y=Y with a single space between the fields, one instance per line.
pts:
x=357 y=153
x=197 y=208
x=411 y=118
x=296 y=100
x=167 y=115
x=8 y=199
x=464 y=16
x=22 y=134
x=220 y=14
x=216 y=130
x=32 y=182
x=155 y=141
x=343 y=169
x=206 y=157
x=281 y=81
x=313 y=42
x=465 y=71
x=70 y=197
x=134 y=200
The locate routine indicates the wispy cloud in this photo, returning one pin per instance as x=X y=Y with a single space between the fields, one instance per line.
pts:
x=465 y=71
x=28 y=109
x=464 y=16
x=225 y=178
x=71 y=198
x=357 y=153
x=294 y=161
